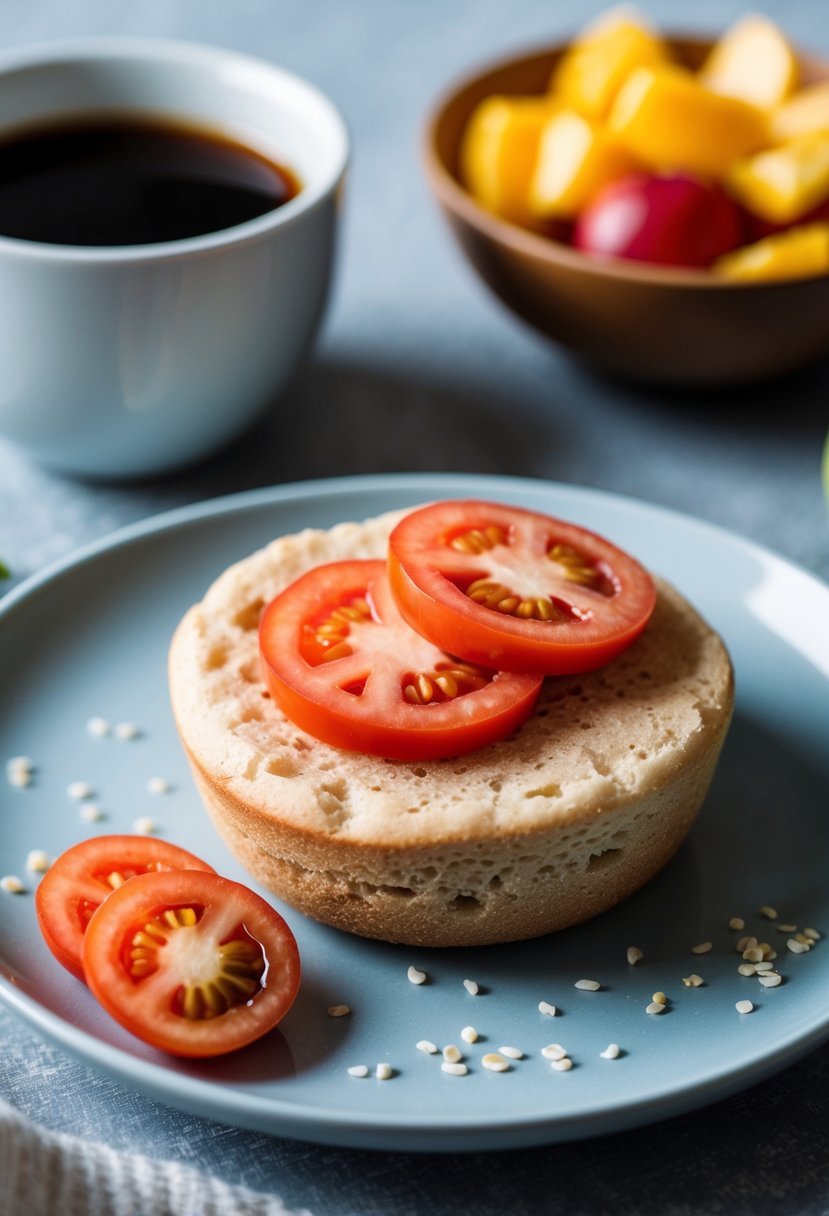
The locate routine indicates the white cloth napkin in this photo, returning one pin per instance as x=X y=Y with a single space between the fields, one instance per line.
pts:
x=44 y=1173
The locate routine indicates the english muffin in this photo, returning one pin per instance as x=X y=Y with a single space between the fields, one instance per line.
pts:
x=572 y=813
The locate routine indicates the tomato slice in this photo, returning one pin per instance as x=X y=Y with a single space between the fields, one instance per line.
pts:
x=87 y=874
x=191 y=962
x=508 y=588
x=343 y=665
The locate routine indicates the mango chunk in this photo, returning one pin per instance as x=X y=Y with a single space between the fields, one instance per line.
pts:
x=499 y=152
x=576 y=158
x=752 y=61
x=804 y=113
x=782 y=184
x=591 y=72
x=795 y=254
x=670 y=121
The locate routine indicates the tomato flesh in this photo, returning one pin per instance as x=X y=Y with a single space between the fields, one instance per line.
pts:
x=343 y=665
x=511 y=589
x=190 y=962
x=85 y=875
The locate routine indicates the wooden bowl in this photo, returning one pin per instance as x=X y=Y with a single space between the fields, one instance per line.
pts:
x=644 y=321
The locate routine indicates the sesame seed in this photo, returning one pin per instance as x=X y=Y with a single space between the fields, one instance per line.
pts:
x=338 y=1011
x=427 y=1046
x=19 y=762
x=754 y=954
x=452 y=1054
x=634 y=954
x=745 y=943
x=769 y=912
x=611 y=1052
x=454 y=1069
x=158 y=785
x=803 y=939
x=384 y=1072
x=79 y=790
x=562 y=1065
x=702 y=948
x=19 y=771
x=796 y=947
x=512 y=1053
x=770 y=979
x=813 y=934
x=91 y=812
x=748 y=968
x=736 y=922
x=97 y=727
x=786 y=928
x=547 y=1009
x=416 y=977
x=38 y=861
x=469 y=1034
x=495 y=1062
x=553 y=1051
x=144 y=826
x=12 y=884
x=126 y=730
x=358 y=1070
x=655 y=1007
x=764 y=966
x=471 y=987
x=693 y=981
x=744 y=1007
x=659 y=998
x=588 y=985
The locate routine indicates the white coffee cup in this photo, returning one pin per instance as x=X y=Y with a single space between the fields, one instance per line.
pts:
x=131 y=360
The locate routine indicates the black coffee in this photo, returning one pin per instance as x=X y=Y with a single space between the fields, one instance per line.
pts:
x=131 y=182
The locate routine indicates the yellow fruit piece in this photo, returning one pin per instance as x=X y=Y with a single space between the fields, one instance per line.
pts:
x=670 y=121
x=784 y=183
x=499 y=150
x=803 y=114
x=796 y=254
x=591 y=72
x=752 y=61
x=576 y=159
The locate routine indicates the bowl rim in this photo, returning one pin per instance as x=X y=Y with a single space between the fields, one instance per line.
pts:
x=460 y=202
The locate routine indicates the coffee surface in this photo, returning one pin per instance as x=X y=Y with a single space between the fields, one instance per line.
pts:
x=132 y=182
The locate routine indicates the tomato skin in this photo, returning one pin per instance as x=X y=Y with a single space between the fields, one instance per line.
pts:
x=77 y=876
x=380 y=724
x=421 y=575
x=145 y=1006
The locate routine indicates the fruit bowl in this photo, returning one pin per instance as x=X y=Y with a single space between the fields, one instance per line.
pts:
x=648 y=322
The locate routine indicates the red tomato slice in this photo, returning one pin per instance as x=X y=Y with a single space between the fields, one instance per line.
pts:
x=190 y=962
x=343 y=665
x=508 y=588
x=87 y=874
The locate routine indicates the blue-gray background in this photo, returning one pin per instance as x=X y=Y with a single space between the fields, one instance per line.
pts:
x=418 y=369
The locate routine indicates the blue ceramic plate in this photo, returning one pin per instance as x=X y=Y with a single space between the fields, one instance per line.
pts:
x=90 y=638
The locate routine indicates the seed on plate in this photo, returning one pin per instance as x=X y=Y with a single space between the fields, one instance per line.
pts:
x=770 y=979
x=547 y=1009
x=745 y=943
x=471 y=987
x=634 y=954
x=427 y=1046
x=553 y=1051
x=611 y=1052
x=702 y=948
x=19 y=771
x=588 y=985
x=452 y=1054
x=416 y=977
x=469 y=1034
x=769 y=912
x=655 y=1007
x=97 y=727
x=126 y=730
x=736 y=922
x=358 y=1070
x=659 y=998
x=144 y=826
x=766 y=965
x=12 y=884
x=693 y=981
x=748 y=968
x=803 y=939
x=512 y=1053
x=454 y=1068
x=384 y=1072
x=796 y=947
x=744 y=1007
x=813 y=934
x=338 y=1011
x=158 y=785
x=38 y=861
x=753 y=955
x=78 y=790
x=562 y=1065
x=495 y=1061
x=781 y=928
x=91 y=812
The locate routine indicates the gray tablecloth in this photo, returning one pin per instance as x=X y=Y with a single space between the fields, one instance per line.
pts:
x=418 y=369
